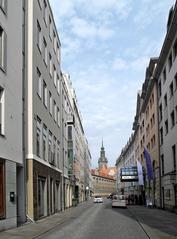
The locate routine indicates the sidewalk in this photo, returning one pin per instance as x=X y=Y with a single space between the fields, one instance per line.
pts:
x=157 y=223
x=33 y=230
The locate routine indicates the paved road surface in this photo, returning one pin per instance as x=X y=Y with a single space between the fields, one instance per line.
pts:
x=98 y=221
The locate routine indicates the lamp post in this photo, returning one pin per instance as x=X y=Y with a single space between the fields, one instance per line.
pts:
x=87 y=192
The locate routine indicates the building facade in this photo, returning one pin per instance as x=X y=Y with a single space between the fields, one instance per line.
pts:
x=166 y=76
x=103 y=186
x=146 y=133
x=12 y=190
x=126 y=160
x=43 y=107
x=155 y=124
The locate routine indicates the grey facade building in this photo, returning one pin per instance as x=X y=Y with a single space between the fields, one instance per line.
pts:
x=166 y=76
x=12 y=200
x=43 y=106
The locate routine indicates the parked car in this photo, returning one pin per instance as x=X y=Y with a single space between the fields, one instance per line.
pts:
x=98 y=199
x=119 y=201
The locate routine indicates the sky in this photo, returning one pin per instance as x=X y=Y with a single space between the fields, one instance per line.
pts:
x=105 y=47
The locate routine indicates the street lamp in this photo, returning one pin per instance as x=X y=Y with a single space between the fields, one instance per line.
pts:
x=87 y=192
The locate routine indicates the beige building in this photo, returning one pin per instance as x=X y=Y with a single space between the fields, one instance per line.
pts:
x=146 y=128
x=103 y=186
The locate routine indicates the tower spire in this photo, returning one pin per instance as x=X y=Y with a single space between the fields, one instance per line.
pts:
x=102 y=161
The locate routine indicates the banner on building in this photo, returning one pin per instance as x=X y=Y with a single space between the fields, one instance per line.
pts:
x=140 y=173
x=149 y=167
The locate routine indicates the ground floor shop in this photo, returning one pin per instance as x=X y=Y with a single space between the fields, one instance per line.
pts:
x=44 y=190
x=12 y=199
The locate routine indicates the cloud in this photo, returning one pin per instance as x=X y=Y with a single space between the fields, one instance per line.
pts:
x=84 y=29
x=137 y=64
x=106 y=46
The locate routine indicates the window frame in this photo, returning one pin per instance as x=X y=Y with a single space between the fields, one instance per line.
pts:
x=3 y=48
x=3 y=6
x=2 y=113
x=39 y=36
x=39 y=83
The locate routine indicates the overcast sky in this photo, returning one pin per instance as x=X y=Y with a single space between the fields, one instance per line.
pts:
x=106 y=46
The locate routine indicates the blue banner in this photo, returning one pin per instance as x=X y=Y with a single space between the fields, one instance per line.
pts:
x=149 y=167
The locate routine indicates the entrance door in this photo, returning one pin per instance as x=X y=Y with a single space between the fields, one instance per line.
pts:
x=41 y=188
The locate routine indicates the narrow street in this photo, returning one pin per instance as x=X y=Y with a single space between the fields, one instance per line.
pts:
x=98 y=221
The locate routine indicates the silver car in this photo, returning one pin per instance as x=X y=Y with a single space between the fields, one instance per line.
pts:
x=98 y=199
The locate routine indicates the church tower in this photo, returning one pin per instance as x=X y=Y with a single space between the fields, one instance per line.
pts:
x=102 y=161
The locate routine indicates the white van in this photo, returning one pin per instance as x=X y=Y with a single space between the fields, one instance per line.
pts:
x=119 y=201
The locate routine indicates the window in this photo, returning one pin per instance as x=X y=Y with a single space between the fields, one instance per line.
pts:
x=58 y=84
x=44 y=141
x=152 y=98
x=54 y=42
x=162 y=164
x=54 y=75
x=55 y=111
x=161 y=136
x=44 y=93
x=160 y=88
x=50 y=64
x=39 y=37
x=45 y=51
x=54 y=150
x=171 y=89
x=174 y=156
x=172 y=119
x=143 y=123
x=50 y=27
x=39 y=83
x=58 y=154
x=3 y=5
x=45 y=12
x=40 y=5
x=2 y=189
x=50 y=147
x=2 y=48
x=165 y=100
x=50 y=103
x=164 y=75
x=176 y=81
x=170 y=61
x=38 y=138
x=1 y=111
x=69 y=132
x=160 y=112
x=175 y=49
x=58 y=116
x=166 y=127
x=153 y=119
x=58 y=53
